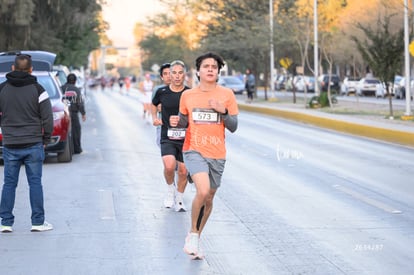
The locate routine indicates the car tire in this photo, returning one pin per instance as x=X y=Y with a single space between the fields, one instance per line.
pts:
x=66 y=155
x=72 y=147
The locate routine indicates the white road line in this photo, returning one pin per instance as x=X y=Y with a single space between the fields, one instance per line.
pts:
x=107 y=210
x=375 y=203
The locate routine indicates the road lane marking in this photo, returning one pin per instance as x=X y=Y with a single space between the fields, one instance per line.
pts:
x=375 y=203
x=107 y=210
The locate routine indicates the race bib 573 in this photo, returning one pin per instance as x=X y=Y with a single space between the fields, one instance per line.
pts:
x=205 y=116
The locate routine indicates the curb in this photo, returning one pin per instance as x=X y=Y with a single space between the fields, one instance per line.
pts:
x=378 y=133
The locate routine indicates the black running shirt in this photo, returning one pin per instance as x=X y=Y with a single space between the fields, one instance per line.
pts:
x=170 y=102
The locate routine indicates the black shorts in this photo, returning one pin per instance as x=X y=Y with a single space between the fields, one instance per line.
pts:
x=172 y=148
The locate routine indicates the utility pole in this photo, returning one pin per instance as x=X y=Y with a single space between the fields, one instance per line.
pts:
x=272 y=54
x=407 y=63
x=315 y=58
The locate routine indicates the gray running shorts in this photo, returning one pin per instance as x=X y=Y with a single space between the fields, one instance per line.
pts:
x=171 y=148
x=195 y=163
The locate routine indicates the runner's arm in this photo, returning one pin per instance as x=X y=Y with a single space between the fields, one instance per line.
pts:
x=230 y=122
x=183 y=122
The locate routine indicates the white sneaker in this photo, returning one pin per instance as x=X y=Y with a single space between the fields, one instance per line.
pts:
x=169 y=199
x=6 y=229
x=199 y=255
x=43 y=227
x=179 y=203
x=191 y=244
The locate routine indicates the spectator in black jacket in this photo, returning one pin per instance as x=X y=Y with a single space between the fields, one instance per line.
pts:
x=27 y=125
x=250 y=85
x=74 y=95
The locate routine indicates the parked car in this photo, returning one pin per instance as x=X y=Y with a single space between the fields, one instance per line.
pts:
x=324 y=82
x=399 y=90
x=61 y=141
x=370 y=87
x=232 y=82
x=280 y=82
x=305 y=81
x=289 y=84
x=348 y=86
x=396 y=85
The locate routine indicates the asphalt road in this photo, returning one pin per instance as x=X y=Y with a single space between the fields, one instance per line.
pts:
x=294 y=200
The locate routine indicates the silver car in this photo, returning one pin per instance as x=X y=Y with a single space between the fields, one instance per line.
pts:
x=232 y=82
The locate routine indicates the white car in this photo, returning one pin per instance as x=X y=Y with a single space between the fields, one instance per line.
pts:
x=349 y=85
x=305 y=81
x=370 y=87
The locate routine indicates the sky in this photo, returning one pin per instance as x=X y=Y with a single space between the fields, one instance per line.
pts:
x=122 y=16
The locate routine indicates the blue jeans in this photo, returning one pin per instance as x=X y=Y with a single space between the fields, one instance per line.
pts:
x=32 y=158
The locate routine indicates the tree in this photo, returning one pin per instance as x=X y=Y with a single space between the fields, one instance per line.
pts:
x=383 y=52
x=69 y=28
x=239 y=32
x=304 y=40
x=157 y=50
x=15 y=20
x=172 y=35
x=365 y=13
x=295 y=19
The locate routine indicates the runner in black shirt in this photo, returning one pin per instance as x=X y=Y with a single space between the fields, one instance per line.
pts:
x=172 y=138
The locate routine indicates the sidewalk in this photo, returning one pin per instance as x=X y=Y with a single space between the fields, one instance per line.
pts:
x=381 y=129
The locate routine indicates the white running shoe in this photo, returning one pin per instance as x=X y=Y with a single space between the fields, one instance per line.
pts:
x=169 y=199
x=191 y=244
x=43 y=227
x=179 y=203
x=199 y=255
x=6 y=229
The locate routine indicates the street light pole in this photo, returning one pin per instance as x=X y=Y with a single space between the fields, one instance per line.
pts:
x=315 y=50
x=407 y=62
x=272 y=54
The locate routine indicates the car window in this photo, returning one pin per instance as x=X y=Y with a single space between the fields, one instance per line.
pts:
x=372 y=81
x=334 y=78
x=49 y=85
x=232 y=80
x=61 y=76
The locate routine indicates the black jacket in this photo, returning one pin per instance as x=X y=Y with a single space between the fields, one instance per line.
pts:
x=26 y=111
x=76 y=103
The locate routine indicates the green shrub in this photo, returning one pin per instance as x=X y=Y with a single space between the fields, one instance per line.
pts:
x=321 y=101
